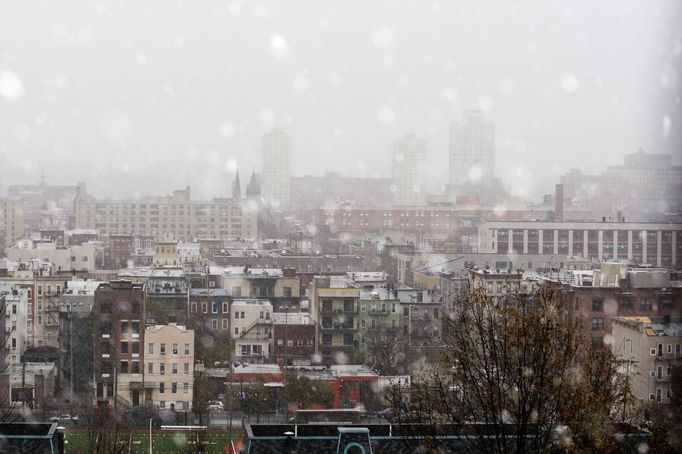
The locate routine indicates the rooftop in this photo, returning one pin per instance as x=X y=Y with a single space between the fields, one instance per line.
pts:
x=654 y=326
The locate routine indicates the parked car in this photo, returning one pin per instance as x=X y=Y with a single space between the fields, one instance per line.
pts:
x=215 y=405
x=386 y=413
x=64 y=418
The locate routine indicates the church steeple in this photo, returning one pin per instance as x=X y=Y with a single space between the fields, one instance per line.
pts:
x=253 y=188
x=236 y=188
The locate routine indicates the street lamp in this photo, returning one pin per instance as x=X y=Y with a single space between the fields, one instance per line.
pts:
x=284 y=369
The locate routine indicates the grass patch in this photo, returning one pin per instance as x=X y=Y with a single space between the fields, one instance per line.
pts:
x=167 y=442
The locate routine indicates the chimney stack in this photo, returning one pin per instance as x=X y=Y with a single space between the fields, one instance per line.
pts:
x=559 y=202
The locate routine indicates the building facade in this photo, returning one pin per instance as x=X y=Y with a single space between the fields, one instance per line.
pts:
x=409 y=159
x=472 y=149
x=275 y=188
x=118 y=344
x=252 y=328
x=657 y=244
x=650 y=347
x=169 y=366
x=176 y=217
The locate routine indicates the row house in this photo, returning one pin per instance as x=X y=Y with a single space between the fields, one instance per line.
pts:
x=294 y=341
x=650 y=347
x=118 y=340
x=209 y=309
x=618 y=290
x=422 y=316
x=252 y=328
x=13 y=304
x=282 y=287
x=335 y=309
x=169 y=366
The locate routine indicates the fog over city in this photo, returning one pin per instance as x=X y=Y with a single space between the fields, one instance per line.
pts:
x=345 y=226
x=140 y=98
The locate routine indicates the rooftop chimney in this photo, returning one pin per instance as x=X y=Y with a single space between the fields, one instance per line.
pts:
x=559 y=202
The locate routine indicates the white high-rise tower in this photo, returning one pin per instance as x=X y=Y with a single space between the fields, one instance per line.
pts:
x=409 y=159
x=472 y=149
x=276 y=168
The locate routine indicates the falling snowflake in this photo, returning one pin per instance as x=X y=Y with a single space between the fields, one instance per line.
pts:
x=11 y=86
x=279 y=46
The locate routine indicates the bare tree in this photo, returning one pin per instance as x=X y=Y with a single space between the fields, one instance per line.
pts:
x=107 y=432
x=518 y=374
x=386 y=348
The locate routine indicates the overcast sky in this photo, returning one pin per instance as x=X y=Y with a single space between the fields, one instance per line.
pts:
x=141 y=97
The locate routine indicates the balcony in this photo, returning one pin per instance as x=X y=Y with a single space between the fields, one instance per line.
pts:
x=339 y=327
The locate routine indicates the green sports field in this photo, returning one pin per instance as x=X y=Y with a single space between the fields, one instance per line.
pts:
x=166 y=442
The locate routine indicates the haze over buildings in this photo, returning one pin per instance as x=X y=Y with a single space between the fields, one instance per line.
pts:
x=191 y=97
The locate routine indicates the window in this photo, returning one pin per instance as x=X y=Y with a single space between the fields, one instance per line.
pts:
x=175 y=349
x=236 y=314
x=287 y=292
x=150 y=348
x=214 y=323
x=193 y=306
x=652 y=352
x=135 y=367
x=243 y=315
x=204 y=307
x=185 y=388
x=14 y=343
x=225 y=325
x=124 y=367
x=597 y=305
x=174 y=369
x=645 y=305
x=435 y=313
x=162 y=388
x=236 y=331
x=162 y=349
x=135 y=348
x=186 y=371
x=290 y=342
x=246 y=350
x=280 y=342
x=348 y=305
x=162 y=368
x=226 y=309
x=597 y=324
x=124 y=347
x=670 y=348
x=150 y=368
x=624 y=304
x=299 y=342
x=215 y=308
x=162 y=403
x=186 y=349
x=310 y=342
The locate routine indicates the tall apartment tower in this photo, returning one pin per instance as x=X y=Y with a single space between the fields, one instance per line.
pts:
x=118 y=348
x=472 y=149
x=409 y=158
x=276 y=168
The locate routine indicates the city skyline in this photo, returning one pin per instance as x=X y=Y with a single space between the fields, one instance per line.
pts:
x=191 y=99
